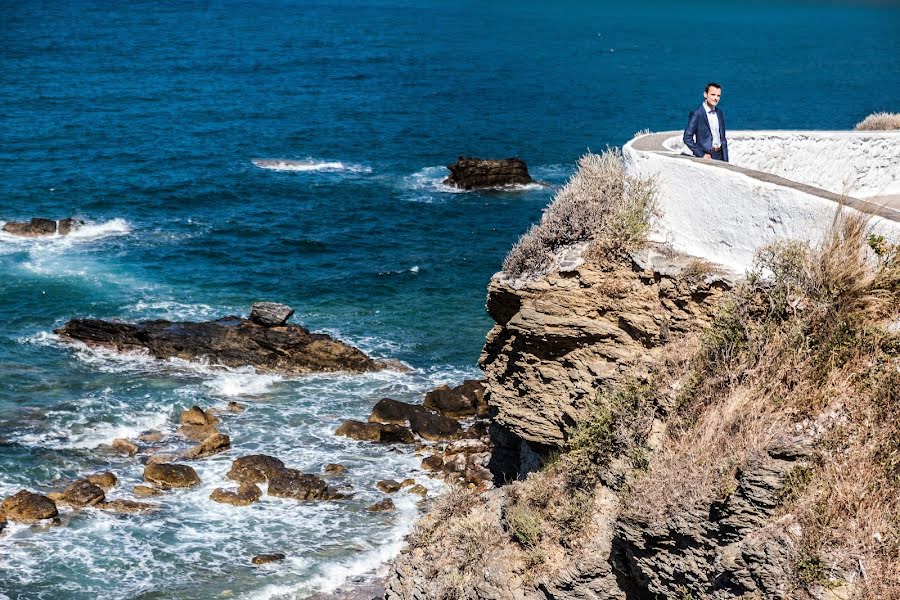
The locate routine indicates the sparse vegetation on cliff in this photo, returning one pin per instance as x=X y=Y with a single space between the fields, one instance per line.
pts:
x=600 y=205
x=880 y=121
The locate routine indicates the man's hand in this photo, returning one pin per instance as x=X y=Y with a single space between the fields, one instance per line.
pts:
x=707 y=156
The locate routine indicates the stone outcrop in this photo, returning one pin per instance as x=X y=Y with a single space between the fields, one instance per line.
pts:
x=38 y=227
x=263 y=559
x=291 y=483
x=270 y=314
x=82 y=493
x=561 y=338
x=246 y=494
x=255 y=468
x=214 y=444
x=474 y=173
x=464 y=400
x=171 y=475
x=230 y=341
x=375 y=432
x=28 y=507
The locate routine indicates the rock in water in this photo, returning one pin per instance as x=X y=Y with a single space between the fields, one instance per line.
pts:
x=388 y=410
x=255 y=468
x=270 y=314
x=229 y=341
x=28 y=507
x=291 y=483
x=66 y=226
x=472 y=173
x=262 y=559
x=82 y=493
x=214 y=444
x=465 y=400
x=35 y=228
x=171 y=475
x=387 y=433
x=247 y=494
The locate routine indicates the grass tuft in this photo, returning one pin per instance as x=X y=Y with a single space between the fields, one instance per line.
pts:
x=880 y=121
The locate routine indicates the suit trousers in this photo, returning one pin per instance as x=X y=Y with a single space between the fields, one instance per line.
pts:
x=716 y=155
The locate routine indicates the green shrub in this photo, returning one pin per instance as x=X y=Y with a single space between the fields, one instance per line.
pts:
x=524 y=525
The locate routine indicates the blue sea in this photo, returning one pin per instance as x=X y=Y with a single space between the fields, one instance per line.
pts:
x=144 y=119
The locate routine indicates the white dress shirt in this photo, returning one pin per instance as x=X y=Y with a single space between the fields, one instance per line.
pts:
x=713 y=118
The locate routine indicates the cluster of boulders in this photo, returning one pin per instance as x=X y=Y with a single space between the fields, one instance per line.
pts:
x=450 y=427
x=264 y=340
x=38 y=227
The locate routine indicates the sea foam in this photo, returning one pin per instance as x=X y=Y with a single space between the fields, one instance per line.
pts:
x=310 y=164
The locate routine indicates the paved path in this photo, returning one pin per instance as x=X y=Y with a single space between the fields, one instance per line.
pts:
x=887 y=207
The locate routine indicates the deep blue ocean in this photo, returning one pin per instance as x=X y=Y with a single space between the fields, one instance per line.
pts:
x=144 y=119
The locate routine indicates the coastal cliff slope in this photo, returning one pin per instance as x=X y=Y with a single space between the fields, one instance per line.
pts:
x=665 y=432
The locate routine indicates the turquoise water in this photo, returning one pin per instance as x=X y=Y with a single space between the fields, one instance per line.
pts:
x=145 y=118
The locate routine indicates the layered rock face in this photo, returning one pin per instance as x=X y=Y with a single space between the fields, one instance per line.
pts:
x=229 y=341
x=473 y=173
x=561 y=338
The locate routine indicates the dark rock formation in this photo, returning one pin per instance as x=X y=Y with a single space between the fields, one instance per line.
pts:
x=246 y=494
x=388 y=486
x=375 y=432
x=214 y=444
x=472 y=173
x=465 y=400
x=38 y=227
x=433 y=427
x=291 y=483
x=171 y=475
x=28 y=507
x=262 y=559
x=335 y=469
x=230 y=341
x=66 y=226
x=388 y=410
x=270 y=314
x=255 y=468
x=126 y=507
x=382 y=506
x=82 y=493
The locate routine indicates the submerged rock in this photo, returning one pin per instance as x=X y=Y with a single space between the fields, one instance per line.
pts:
x=376 y=432
x=291 y=483
x=472 y=173
x=254 y=468
x=262 y=559
x=246 y=494
x=171 y=475
x=270 y=314
x=214 y=444
x=230 y=341
x=28 y=507
x=382 y=506
x=127 y=507
x=82 y=493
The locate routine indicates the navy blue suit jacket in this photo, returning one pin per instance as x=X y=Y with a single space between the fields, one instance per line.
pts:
x=698 y=136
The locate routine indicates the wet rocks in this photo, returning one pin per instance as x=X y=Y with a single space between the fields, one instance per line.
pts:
x=270 y=314
x=230 y=341
x=382 y=506
x=144 y=491
x=473 y=173
x=214 y=444
x=418 y=490
x=171 y=475
x=334 y=469
x=82 y=493
x=197 y=416
x=254 y=468
x=66 y=226
x=434 y=427
x=388 y=486
x=105 y=481
x=28 y=507
x=291 y=483
x=262 y=559
x=376 y=432
x=246 y=494
x=123 y=446
x=464 y=400
x=126 y=507
x=435 y=462
x=38 y=227
x=388 y=410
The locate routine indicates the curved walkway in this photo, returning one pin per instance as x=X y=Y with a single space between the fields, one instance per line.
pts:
x=887 y=207
x=724 y=212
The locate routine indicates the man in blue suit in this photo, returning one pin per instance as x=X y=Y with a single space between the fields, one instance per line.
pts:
x=705 y=132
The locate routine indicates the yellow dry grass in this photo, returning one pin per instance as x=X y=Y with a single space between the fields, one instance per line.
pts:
x=880 y=121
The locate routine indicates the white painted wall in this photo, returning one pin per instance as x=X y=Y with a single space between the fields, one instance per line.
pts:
x=855 y=163
x=724 y=216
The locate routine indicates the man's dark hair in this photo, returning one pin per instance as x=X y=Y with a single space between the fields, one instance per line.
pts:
x=712 y=84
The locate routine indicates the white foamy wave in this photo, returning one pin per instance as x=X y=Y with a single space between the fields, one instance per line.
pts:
x=87 y=232
x=242 y=382
x=429 y=179
x=413 y=269
x=81 y=433
x=282 y=164
x=176 y=311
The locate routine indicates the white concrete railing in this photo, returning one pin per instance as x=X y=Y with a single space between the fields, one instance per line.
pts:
x=853 y=163
x=725 y=212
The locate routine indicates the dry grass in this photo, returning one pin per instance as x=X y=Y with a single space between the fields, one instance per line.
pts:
x=600 y=204
x=801 y=348
x=880 y=121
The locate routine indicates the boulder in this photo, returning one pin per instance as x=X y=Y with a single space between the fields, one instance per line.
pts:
x=197 y=416
x=37 y=227
x=161 y=458
x=123 y=446
x=171 y=475
x=387 y=433
x=262 y=559
x=151 y=437
x=254 y=468
x=335 y=469
x=474 y=173
x=144 y=491
x=229 y=341
x=434 y=462
x=246 y=494
x=82 y=493
x=388 y=486
x=28 y=507
x=407 y=482
x=127 y=507
x=382 y=506
x=418 y=490
x=291 y=483
x=433 y=427
x=388 y=410
x=465 y=400
x=66 y=226
x=270 y=314
x=214 y=444
x=197 y=433
x=235 y=407
x=105 y=481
